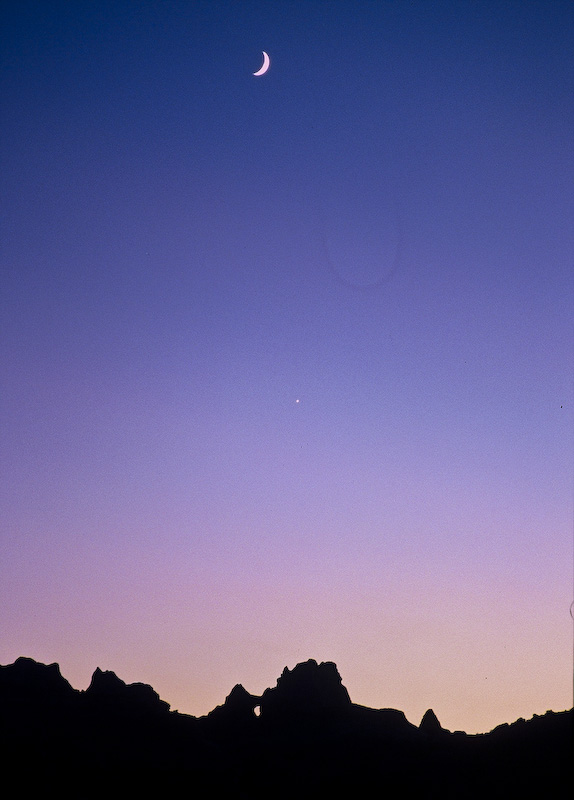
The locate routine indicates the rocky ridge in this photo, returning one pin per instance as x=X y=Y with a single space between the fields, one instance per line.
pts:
x=304 y=738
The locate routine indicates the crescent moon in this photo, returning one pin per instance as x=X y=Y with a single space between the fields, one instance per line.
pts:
x=264 y=66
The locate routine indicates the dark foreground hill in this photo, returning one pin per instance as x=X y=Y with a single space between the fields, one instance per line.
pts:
x=307 y=740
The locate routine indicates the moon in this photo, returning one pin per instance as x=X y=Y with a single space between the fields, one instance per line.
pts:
x=264 y=66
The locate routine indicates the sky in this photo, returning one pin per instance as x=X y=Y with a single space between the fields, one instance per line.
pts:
x=287 y=361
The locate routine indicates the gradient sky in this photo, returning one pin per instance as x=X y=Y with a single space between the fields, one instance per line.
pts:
x=287 y=361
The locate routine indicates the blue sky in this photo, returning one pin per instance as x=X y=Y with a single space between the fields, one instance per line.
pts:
x=379 y=228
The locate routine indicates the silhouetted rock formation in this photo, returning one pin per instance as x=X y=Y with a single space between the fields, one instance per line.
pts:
x=430 y=724
x=310 y=690
x=118 y=740
x=108 y=691
x=237 y=711
x=27 y=680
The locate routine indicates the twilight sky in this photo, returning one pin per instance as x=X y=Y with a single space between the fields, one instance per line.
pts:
x=287 y=360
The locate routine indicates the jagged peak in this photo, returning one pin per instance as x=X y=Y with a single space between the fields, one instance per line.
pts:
x=239 y=706
x=308 y=688
x=35 y=676
x=105 y=681
x=326 y=670
x=238 y=694
x=430 y=723
x=31 y=665
x=106 y=686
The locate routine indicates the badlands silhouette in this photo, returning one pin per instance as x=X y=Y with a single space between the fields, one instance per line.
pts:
x=303 y=738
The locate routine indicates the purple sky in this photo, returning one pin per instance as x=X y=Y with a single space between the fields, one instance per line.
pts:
x=287 y=361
